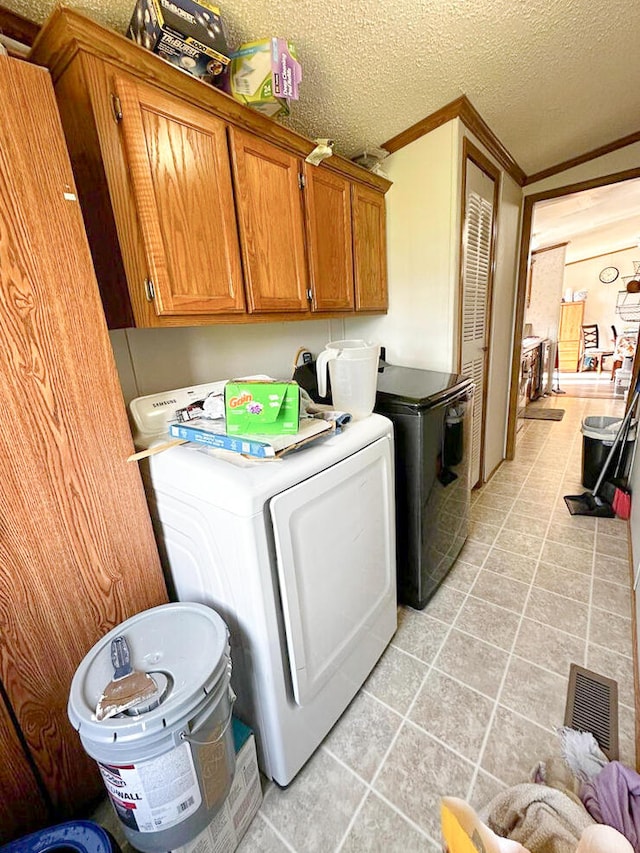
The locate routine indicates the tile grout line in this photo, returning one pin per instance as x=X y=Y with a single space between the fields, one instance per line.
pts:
x=474 y=775
x=524 y=607
x=389 y=749
x=405 y=716
x=371 y=790
x=276 y=832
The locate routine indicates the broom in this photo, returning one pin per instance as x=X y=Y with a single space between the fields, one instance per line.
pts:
x=590 y=503
x=621 y=498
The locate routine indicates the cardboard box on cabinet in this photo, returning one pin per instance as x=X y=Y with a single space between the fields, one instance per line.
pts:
x=187 y=33
x=266 y=75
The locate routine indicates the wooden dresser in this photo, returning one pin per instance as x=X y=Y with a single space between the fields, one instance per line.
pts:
x=570 y=336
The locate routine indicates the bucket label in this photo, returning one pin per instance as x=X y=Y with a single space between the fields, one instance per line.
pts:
x=154 y=795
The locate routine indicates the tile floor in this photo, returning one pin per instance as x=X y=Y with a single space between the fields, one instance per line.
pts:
x=465 y=698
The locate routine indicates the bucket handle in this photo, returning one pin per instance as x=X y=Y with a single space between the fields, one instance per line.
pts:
x=190 y=739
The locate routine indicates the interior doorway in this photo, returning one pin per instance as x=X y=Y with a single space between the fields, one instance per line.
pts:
x=578 y=287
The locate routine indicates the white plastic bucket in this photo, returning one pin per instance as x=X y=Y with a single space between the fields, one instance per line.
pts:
x=167 y=770
x=353 y=369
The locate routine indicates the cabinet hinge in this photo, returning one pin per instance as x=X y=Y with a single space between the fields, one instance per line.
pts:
x=301 y=181
x=116 y=106
x=149 y=290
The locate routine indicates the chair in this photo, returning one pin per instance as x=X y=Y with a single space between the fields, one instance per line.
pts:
x=625 y=349
x=591 y=346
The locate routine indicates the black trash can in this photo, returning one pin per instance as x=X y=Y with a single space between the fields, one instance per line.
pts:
x=598 y=434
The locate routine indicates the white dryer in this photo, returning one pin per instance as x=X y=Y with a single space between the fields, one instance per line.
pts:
x=296 y=554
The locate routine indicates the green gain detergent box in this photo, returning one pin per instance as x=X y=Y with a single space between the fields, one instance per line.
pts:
x=261 y=407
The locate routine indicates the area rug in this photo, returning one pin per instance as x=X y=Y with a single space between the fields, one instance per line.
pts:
x=543 y=414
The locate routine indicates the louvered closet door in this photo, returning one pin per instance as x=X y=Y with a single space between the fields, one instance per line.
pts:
x=477 y=255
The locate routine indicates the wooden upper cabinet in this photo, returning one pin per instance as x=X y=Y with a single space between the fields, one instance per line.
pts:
x=183 y=185
x=270 y=216
x=179 y=165
x=328 y=217
x=369 y=249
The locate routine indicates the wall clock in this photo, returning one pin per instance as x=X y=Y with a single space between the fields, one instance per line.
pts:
x=609 y=274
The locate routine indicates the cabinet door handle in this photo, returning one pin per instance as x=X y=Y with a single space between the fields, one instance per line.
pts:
x=116 y=107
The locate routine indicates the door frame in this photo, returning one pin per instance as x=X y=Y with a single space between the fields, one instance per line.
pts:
x=471 y=152
x=523 y=263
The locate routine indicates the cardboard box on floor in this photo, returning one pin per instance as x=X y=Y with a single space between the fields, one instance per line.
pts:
x=227 y=829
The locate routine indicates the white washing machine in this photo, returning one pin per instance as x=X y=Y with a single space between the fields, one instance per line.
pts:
x=296 y=554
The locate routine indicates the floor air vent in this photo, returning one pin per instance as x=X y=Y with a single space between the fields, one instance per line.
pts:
x=592 y=706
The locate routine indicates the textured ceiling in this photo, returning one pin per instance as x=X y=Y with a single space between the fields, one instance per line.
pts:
x=552 y=78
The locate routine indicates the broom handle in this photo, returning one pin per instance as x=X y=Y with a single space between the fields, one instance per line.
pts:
x=633 y=453
x=623 y=447
x=623 y=426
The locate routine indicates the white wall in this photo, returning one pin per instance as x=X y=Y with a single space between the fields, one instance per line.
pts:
x=423 y=237
x=153 y=360
x=634 y=483
x=600 y=306
x=422 y=248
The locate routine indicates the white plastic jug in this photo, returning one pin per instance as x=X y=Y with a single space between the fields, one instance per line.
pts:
x=353 y=368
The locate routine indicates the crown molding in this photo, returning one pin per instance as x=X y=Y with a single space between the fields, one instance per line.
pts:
x=584 y=158
x=424 y=126
x=463 y=109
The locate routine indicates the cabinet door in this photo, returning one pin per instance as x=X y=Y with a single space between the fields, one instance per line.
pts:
x=77 y=552
x=369 y=249
x=328 y=214
x=270 y=215
x=179 y=166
